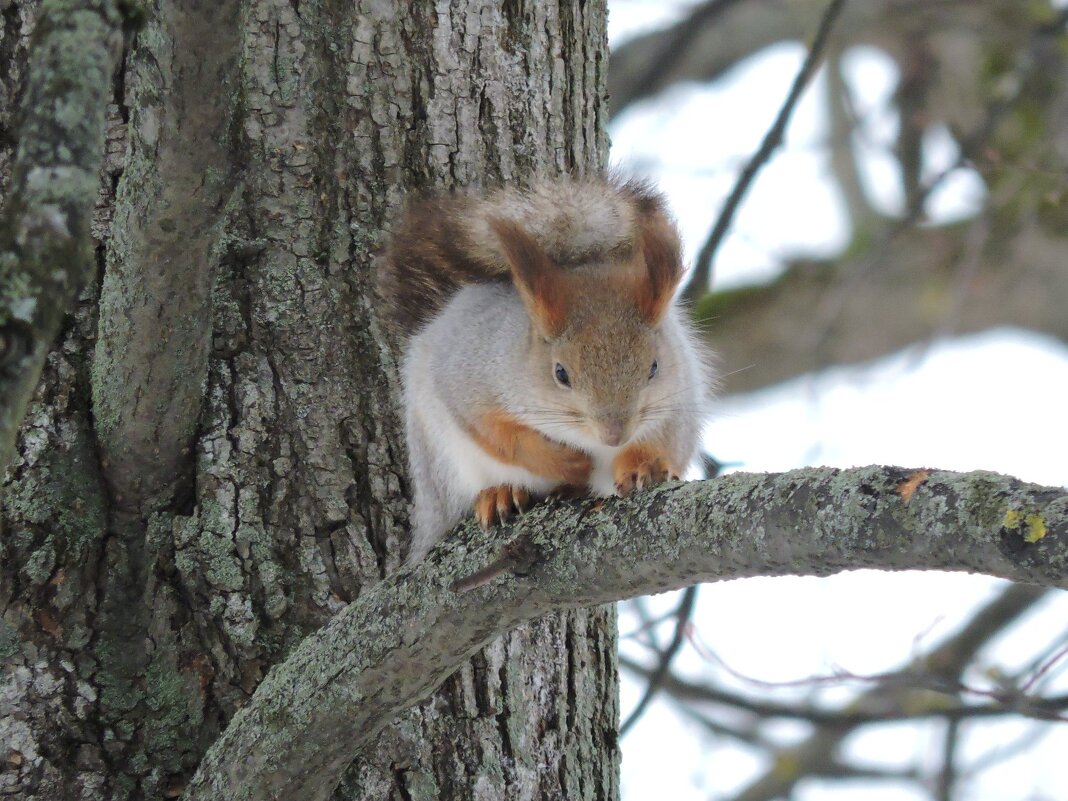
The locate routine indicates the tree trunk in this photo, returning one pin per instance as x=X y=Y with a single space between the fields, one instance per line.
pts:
x=213 y=463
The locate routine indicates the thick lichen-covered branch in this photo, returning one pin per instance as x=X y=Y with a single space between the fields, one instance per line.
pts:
x=399 y=641
x=46 y=254
x=151 y=359
x=798 y=323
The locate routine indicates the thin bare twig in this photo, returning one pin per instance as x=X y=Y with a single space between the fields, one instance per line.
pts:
x=810 y=756
x=1003 y=753
x=947 y=777
x=1045 y=668
x=1039 y=708
x=656 y=678
x=748 y=734
x=702 y=272
x=647 y=624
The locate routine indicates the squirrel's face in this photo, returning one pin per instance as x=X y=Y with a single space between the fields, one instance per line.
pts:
x=596 y=356
x=605 y=374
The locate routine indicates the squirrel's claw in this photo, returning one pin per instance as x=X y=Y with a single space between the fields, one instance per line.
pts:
x=630 y=476
x=519 y=500
x=500 y=503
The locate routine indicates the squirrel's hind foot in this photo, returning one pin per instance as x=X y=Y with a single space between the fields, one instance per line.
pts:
x=500 y=503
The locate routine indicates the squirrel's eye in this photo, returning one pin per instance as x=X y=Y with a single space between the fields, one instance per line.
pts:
x=562 y=378
x=652 y=370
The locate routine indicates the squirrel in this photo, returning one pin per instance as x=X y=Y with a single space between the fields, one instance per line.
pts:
x=543 y=350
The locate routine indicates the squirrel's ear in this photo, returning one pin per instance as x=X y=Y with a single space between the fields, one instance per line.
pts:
x=662 y=252
x=539 y=282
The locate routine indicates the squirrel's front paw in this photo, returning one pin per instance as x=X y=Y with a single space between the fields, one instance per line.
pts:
x=498 y=504
x=639 y=467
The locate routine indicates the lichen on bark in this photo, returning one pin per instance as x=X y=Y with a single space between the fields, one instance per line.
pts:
x=392 y=646
x=45 y=256
x=239 y=398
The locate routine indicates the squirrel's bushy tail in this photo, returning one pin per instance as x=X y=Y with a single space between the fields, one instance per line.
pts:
x=442 y=243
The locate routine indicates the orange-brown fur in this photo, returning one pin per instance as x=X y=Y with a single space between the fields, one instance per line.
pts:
x=542 y=286
x=641 y=465
x=660 y=252
x=498 y=504
x=646 y=278
x=428 y=261
x=506 y=439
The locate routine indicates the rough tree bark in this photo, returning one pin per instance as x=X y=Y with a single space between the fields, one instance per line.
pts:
x=397 y=642
x=212 y=466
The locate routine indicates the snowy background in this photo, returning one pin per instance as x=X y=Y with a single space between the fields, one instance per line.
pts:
x=958 y=417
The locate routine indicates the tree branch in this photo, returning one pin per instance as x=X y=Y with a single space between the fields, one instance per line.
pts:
x=771 y=329
x=669 y=48
x=400 y=640
x=947 y=776
x=711 y=39
x=148 y=389
x=922 y=704
x=715 y=36
x=897 y=292
x=656 y=676
x=46 y=254
x=948 y=660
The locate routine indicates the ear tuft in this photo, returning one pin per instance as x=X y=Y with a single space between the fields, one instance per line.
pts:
x=662 y=253
x=541 y=284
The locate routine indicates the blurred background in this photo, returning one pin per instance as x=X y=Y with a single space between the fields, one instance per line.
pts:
x=892 y=289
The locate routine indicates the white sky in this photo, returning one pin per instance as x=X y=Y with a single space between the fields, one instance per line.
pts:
x=964 y=412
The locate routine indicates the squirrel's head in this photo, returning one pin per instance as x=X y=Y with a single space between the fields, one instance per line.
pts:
x=597 y=354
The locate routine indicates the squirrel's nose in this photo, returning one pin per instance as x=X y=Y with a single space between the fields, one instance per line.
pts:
x=612 y=431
